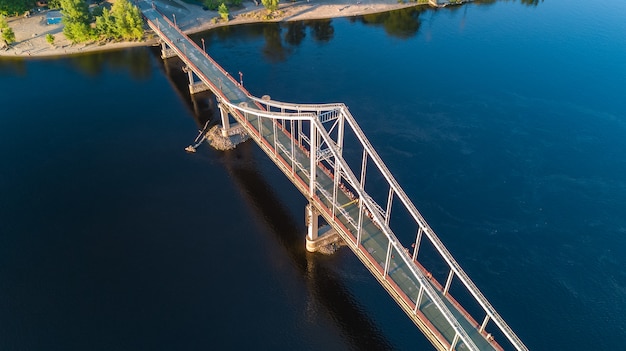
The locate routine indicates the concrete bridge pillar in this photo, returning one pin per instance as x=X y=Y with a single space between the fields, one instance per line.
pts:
x=323 y=239
x=166 y=52
x=225 y=120
x=312 y=222
x=194 y=87
x=227 y=136
x=190 y=76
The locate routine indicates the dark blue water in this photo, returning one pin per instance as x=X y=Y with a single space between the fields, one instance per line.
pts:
x=505 y=123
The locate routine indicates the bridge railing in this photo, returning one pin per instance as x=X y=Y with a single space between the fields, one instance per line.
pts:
x=309 y=128
x=425 y=229
x=340 y=114
x=259 y=121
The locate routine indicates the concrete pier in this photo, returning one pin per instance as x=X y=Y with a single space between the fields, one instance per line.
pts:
x=235 y=135
x=195 y=86
x=166 y=52
x=323 y=239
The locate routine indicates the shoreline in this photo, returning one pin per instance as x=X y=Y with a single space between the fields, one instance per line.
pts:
x=31 y=32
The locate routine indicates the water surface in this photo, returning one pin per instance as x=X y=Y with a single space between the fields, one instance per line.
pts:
x=505 y=123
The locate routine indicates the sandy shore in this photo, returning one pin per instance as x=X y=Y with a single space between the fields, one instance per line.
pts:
x=30 y=33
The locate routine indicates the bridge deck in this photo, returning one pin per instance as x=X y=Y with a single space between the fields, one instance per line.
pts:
x=373 y=240
x=277 y=142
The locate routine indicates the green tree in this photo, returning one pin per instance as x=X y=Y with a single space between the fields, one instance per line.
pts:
x=8 y=35
x=235 y=3
x=128 y=23
x=78 y=32
x=75 y=11
x=270 y=5
x=50 y=39
x=105 y=25
x=3 y=23
x=223 y=11
x=76 y=18
x=15 y=7
x=54 y=4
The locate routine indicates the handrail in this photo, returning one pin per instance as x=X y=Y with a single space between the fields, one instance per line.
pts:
x=369 y=203
x=311 y=113
x=293 y=106
x=469 y=284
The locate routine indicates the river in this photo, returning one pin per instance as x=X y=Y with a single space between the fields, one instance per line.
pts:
x=505 y=122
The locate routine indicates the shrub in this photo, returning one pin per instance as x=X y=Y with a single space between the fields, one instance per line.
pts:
x=223 y=11
x=50 y=39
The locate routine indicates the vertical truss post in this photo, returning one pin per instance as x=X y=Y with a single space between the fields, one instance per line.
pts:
x=484 y=324
x=340 y=132
x=312 y=162
x=420 y=295
x=389 y=201
x=293 y=157
x=337 y=170
x=363 y=168
x=454 y=341
x=387 y=260
x=336 y=181
x=274 y=130
x=418 y=238
x=448 y=282
x=359 y=227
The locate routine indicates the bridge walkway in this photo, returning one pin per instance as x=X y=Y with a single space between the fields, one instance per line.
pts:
x=373 y=243
x=435 y=312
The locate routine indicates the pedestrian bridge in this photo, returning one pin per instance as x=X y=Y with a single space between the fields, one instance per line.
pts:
x=306 y=142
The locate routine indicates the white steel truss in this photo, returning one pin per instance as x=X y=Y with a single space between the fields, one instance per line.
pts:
x=306 y=141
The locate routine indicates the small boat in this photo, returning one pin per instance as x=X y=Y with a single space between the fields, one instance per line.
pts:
x=190 y=149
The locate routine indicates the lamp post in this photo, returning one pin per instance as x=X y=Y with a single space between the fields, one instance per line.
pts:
x=203 y=48
x=240 y=78
x=174 y=16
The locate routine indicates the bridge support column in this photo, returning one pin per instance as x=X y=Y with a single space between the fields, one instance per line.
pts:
x=227 y=136
x=323 y=238
x=312 y=222
x=194 y=87
x=166 y=52
x=225 y=120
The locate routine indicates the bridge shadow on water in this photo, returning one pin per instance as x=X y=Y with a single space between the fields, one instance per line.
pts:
x=324 y=286
x=327 y=289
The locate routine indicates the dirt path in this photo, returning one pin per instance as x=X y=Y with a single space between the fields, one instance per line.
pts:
x=30 y=33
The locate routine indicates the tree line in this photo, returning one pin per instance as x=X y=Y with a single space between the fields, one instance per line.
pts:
x=122 y=22
x=6 y=32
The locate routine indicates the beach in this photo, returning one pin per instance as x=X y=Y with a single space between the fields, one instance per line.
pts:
x=30 y=32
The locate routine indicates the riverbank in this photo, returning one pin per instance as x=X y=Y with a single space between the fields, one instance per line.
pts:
x=31 y=32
